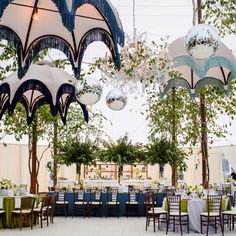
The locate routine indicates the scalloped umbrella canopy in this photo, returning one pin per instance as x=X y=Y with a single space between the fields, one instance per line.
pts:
x=67 y=25
x=42 y=84
x=218 y=70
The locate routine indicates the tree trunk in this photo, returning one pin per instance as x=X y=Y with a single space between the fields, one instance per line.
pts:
x=33 y=183
x=78 y=171
x=55 y=151
x=173 y=177
x=174 y=138
x=161 y=171
x=204 y=146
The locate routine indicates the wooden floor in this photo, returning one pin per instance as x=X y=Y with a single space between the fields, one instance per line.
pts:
x=94 y=227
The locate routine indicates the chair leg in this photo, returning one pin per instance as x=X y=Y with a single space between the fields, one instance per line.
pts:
x=118 y=211
x=221 y=225
x=126 y=210
x=208 y=222
x=201 y=224
x=167 y=224
x=41 y=219
x=154 y=223
x=181 y=228
x=188 y=223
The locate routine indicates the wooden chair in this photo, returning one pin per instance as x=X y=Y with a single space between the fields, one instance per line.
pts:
x=175 y=216
x=112 y=202
x=133 y=202
x=154 y=214
x=79 y=202
x=213 y=214
x=61 y=201
x=52 y=207
x=95 y=201
x=42 y=212
x=2 y=216
x=25 y=213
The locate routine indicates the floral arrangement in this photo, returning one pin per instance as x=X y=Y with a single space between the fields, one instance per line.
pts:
x=230 y=180
x=6 y=184
x=195 y=189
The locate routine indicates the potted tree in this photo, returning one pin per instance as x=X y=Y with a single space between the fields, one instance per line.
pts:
x=122 y=152
x=162 y=152
x=76 y=152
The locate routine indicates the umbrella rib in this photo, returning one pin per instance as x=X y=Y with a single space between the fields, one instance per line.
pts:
x=192 y=79
x=74 y=42
x=50 y=10
x=223 y=73
x=30 y=26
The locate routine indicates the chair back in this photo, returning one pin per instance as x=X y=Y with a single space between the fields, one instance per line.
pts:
x=51 y=189
x=149 y=200
x=173 y=203
x=169 y=192
x=214 y=204
x=42 y=195
x=45 y=202
x=61 y=195
x=112 y=195
x=133 y=196
x=95 y=195
x=27 y=203
x=78 y=195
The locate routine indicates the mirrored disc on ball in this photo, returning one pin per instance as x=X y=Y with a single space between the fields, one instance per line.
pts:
x=116 y=99
x=202 y=41
x=88 y=91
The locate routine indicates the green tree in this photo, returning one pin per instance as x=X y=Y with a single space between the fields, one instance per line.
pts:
x=186 y=116
x=122 y=152
x=221 y=14
x=76 y=152
x=162 y=151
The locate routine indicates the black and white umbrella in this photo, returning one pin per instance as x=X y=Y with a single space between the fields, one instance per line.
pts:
x=67 y=25
x=42 y=84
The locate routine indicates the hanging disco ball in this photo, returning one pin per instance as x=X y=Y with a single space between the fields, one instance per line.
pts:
x=88 y=91
x=202 y=41
x=116 y=99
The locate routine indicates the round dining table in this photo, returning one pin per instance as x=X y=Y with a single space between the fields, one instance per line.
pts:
x=194 y=207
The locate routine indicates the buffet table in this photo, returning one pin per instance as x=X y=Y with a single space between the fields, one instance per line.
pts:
x=122 y=198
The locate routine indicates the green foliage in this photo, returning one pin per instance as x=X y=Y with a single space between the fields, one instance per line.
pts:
x=123 y=152
x=162 y=152
x=221 y=14
x=185 y=113
x=76 y=152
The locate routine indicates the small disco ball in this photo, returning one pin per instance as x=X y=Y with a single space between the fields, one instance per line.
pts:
x=202 y=41
x=116 y=99
x=88 y=91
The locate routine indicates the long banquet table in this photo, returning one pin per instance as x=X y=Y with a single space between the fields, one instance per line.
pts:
x=122 y=198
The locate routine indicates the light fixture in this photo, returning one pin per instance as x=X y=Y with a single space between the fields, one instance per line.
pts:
x=202 y=41
x=88 y=91
x=36 y=14
x=116 y=99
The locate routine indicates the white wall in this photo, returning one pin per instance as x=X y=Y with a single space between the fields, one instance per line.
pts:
x=14 y=165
